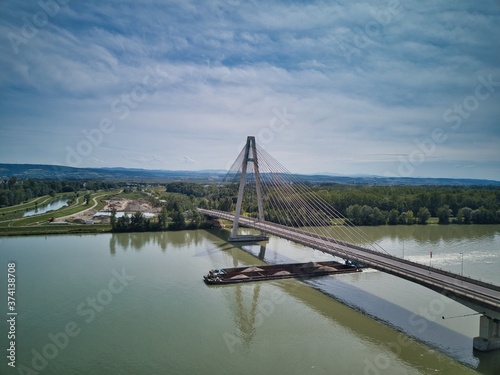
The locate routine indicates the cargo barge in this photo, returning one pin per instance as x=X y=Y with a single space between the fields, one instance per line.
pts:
x=277 y=271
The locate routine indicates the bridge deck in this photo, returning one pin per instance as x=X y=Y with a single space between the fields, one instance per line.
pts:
x=480 y=296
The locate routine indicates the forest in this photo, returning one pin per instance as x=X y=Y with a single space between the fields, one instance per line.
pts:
x=414 y=205
x=372 y=205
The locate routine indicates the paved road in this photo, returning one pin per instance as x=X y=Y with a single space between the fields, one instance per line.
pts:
x=482 y=297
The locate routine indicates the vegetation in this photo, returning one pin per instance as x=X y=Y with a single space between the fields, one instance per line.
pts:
x=54 y=229
x=176 y=219
x=178 y=212
x=414 y=205
x=74 y=206
x=14 y=191
x=367 y=205
x=177 y=203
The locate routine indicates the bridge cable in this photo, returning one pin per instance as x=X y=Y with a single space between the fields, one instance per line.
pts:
x=315 y=201
x=295 y=197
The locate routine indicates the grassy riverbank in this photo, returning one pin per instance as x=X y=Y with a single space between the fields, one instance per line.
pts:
x=41 y=224
x=54 y=229
x=30 y=205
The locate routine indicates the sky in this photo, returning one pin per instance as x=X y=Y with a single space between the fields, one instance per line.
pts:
x=390 y=88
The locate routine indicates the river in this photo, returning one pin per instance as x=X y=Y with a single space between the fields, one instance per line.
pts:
x=136 y=304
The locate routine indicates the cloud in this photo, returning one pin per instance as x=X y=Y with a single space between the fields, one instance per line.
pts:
x=187 y=160
x=227 y=66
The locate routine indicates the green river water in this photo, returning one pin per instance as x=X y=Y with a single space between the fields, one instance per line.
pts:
x=114 y=304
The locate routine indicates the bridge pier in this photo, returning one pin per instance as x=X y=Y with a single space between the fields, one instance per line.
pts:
x=489 y=334
x=248 y=238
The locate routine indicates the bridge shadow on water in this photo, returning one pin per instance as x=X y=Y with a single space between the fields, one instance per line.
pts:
x=350 y=296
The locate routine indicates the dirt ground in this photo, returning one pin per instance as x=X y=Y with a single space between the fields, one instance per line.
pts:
x=128 y=205
x=120 y=205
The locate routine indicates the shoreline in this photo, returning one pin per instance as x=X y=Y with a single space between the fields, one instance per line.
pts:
x=55 y=229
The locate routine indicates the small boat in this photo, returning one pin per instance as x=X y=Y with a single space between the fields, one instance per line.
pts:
x=277 y=271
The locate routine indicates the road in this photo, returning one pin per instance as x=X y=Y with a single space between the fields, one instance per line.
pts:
x=62 y=218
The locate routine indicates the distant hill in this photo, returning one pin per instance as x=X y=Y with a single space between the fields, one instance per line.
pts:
x=392 y=181
x=41 y=171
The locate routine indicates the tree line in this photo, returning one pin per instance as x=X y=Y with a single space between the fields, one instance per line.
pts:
x=414 y=205
x=366 y=205
x=178 y=212
x=366 y=215
x=15 y=191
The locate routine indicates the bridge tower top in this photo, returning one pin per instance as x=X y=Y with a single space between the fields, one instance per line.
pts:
x=250 y=156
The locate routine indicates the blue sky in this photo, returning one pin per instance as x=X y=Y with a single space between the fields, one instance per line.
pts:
x=393 y=88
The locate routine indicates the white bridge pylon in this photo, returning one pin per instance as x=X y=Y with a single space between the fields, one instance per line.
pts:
x=250 y=155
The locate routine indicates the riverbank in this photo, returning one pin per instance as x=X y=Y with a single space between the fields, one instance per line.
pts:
x=54 y=229
x=77 y=206
x=58 y=228
x=87 y=214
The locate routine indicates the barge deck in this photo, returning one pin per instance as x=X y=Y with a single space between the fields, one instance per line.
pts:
x=277 y=271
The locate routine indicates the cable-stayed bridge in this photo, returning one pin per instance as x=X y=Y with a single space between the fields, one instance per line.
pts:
x=275 y=202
